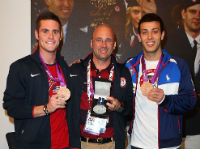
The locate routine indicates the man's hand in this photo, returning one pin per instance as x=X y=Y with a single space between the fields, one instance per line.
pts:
x=74 y=62
x=156 y=95
x=113 y=103
x=56 y=102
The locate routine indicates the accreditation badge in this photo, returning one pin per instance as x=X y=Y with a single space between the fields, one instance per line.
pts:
x=95 y=125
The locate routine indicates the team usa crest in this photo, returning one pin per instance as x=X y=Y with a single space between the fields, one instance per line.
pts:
x=122 y=82
x=117 y=8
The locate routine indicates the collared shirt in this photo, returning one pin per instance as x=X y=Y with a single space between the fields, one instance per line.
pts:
x=133 y=37
x=126 y=3
x=65 y=31
x=102 y=75
x=197 y=58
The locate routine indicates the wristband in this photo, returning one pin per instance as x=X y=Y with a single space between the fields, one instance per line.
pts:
x=45 y=109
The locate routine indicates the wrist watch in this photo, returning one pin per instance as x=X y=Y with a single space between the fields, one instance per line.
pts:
x=45 y=109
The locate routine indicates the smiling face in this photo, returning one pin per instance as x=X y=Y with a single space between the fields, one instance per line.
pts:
x=151 y=36
x=62 y=8
x=191 y=18
x=48 y=36
x=103 y=43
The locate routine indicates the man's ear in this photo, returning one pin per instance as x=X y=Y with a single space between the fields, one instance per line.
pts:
x=36 y=34
x=61 y=35
x=139 y=38
x=183 y=14
x=163 y=35
x=47 y=2
x=115 y=44
x=91 y=43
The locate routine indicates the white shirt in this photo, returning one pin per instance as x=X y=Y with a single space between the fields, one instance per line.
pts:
x=197 y=58
x=125 y=3
x=133 y=36
x=65 y=31
x=145 y=127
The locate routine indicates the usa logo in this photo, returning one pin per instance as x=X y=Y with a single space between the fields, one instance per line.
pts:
x=122 y=82
x=117 y=8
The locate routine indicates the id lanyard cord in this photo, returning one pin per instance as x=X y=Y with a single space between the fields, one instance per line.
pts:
x=60 y=77
x=90 y=87
x=144 y=71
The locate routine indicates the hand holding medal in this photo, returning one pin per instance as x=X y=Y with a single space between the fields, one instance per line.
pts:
x=146 y=87
x=113 y=103
x=156 y=95
x=65 y=92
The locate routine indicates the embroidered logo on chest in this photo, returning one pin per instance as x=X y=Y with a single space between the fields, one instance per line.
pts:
x=122 y=82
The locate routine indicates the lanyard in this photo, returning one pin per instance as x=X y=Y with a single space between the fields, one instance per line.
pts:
x=144 y=71
x=90 y=87
x=60 y=77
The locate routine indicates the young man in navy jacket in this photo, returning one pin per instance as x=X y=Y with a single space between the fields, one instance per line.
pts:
x=36 y=91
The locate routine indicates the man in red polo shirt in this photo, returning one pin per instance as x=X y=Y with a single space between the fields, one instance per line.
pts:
x=104 y=91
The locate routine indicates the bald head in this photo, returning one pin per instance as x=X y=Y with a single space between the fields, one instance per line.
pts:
x=104 y=29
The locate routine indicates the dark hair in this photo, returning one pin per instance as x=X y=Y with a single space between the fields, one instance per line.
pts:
x=47 y=15
x=189 y=3
x=150 y=17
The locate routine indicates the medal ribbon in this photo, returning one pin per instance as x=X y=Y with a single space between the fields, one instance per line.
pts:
x=60 y=77
x=90 y=87
x=144 y=71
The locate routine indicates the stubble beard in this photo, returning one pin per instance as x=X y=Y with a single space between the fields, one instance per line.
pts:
x=104 y=59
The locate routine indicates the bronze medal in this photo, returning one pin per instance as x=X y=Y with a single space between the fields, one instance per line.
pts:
x=146 y=87
x=64 y=91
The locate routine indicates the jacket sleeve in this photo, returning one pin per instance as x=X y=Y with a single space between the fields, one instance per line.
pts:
x=125 y=91
x=76 y=83
x=15 y=93
x=186 y=98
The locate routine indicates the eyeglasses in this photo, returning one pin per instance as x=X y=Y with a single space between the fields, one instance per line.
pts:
x=100 y=40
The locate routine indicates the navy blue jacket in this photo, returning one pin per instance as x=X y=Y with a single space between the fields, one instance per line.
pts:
x=22 y=93
x=123 y=94
x=175 y=78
